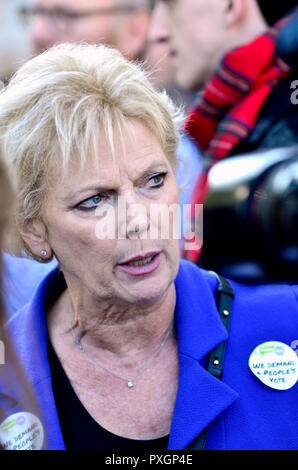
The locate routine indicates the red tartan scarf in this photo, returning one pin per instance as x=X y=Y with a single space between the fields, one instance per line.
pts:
x=227 y=109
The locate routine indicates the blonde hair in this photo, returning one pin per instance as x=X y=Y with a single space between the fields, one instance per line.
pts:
x=51 y=110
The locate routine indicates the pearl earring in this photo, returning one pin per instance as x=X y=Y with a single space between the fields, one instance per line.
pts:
x=43 y=252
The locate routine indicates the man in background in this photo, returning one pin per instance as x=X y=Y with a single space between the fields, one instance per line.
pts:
x=244 y=60
x=122 y=24
x=228 y=42
x=160 y=60
x=161 y=65
x=14 y=47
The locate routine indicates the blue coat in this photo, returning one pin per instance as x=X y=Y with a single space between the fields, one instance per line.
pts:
x=242 y=412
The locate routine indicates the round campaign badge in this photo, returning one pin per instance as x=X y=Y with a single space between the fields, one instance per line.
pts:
x=21 y=431
x=275 y=364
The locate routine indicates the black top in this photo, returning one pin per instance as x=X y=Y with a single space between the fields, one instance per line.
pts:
x=277 y=122
x=80 y=431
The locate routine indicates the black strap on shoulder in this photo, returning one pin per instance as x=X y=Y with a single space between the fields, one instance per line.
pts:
x=225 y=296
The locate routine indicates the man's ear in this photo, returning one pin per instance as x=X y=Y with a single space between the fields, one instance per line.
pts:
x=34 y=234
x=234 y=11
x=133 y=34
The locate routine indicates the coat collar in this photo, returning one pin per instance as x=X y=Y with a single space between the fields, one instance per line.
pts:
x=201 y=397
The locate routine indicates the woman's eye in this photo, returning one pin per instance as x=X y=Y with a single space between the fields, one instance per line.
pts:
x=157 y=180
x=91 y=203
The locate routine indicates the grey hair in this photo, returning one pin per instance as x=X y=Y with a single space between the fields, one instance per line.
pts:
x=51 y=110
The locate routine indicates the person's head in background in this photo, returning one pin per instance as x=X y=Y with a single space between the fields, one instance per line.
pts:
x=122 y=24
x=203 y=31
x=159 y=59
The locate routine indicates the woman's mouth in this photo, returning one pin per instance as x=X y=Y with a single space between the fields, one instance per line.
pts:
x=141 y=265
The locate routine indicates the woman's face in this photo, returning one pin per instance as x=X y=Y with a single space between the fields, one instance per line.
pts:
x=100 y=227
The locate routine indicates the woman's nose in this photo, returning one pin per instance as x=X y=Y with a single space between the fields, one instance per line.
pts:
x=134 y=221
x=137 y=221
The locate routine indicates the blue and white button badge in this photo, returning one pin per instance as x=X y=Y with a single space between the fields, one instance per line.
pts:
x=275 y=364
x=21 y=431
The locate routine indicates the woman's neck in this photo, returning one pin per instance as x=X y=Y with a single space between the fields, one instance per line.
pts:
x=131 y=331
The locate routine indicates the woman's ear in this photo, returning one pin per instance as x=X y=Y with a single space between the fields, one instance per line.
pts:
x=34 y=234
x=235 y=10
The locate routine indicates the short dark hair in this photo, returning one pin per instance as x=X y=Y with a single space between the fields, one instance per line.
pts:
x=273 y=11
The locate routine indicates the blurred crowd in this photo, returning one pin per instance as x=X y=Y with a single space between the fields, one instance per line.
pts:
x=232 y=66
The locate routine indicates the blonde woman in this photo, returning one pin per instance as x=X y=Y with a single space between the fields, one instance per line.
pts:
x=116 y=342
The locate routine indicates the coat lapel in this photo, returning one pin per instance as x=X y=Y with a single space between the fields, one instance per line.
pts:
x=38 y=396
x=201 y=397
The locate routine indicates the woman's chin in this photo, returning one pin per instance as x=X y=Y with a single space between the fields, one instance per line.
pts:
x=149 y=287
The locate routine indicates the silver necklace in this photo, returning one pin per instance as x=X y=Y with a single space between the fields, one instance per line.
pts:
x=130 y=382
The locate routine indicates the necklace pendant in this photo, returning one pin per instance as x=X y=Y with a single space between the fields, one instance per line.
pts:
x=130 y=384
